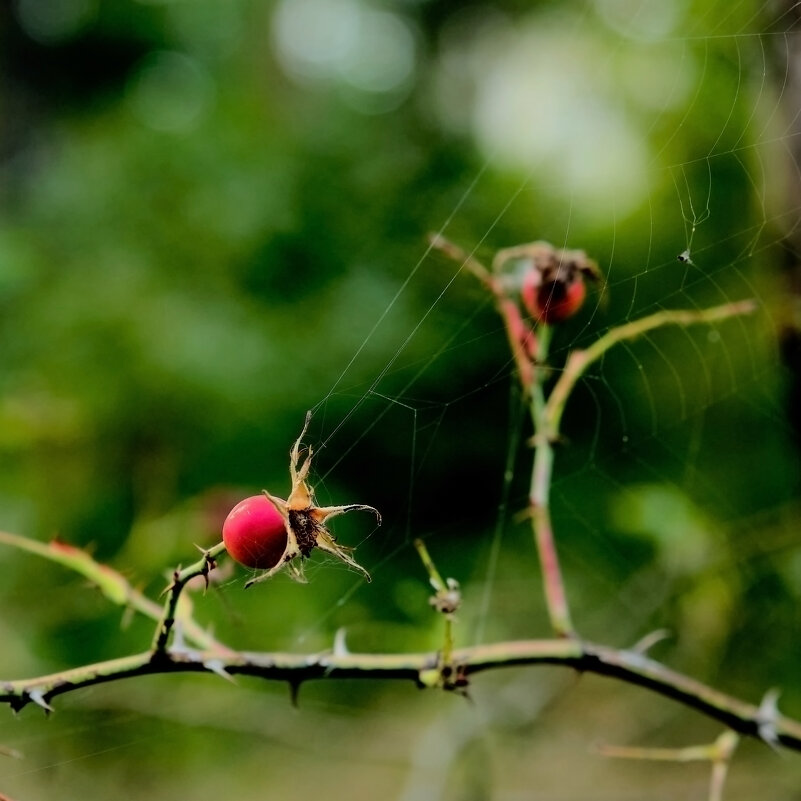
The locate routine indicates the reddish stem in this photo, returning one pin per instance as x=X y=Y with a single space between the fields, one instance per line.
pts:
x=522 y=341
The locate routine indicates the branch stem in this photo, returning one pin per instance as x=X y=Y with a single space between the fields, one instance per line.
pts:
x=520 y=336
x=446 y=600
x=539 y=498
x=179 y=580
x=580 y=360
x=587 y=657
x=110 y=582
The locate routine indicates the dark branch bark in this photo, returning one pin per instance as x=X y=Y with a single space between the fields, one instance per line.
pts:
x=628 y=666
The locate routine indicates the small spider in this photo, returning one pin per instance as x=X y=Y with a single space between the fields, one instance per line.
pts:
x=305 y=522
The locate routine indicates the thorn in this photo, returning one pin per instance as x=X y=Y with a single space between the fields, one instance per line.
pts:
x=462 y=691
x=767 y=716
x=340 y=645
x=461 y=683
x=209 y=563
x=294 y=692
x=649 y=640
x=38 y=698
x=217 y=666
x=171 y=586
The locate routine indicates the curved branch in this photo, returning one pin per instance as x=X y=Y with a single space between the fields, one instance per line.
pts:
x=628 y=666
x=580 y=360
x=113 y=584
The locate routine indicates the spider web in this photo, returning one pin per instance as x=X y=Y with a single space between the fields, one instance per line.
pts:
x=686 y=255
x=685 y=423
x=659 y=138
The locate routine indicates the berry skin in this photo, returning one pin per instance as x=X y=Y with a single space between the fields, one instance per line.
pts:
x=255 y=534
x=555 y=300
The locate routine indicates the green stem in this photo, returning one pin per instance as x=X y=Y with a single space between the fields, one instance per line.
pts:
x=718 y=753
x=445 y=600
x=539 y=497
x=110 y=582
x=580 y=360
x=434 y=576
x=200 y=568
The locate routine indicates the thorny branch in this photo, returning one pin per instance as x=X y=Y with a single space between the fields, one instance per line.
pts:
x=166 y=622
x=451 y=667
x=549 y=276
x=529 y=342
x=586 y=657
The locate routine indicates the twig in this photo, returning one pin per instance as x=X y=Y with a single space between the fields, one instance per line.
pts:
x=520 y=336
x=446 y=600
x=457 y=254
x=200 y=568
x=580 y=360
x=547 y=415
x=110 y=582
x=719 y=753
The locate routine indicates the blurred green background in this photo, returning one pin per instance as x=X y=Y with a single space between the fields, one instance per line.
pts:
x=213 y=218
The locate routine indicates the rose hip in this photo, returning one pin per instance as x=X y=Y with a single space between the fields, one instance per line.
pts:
x=255 y=534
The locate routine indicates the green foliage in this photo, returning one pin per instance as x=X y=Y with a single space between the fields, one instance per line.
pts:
x=196 y=237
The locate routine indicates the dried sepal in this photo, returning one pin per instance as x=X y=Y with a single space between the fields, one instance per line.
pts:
x=305 y=522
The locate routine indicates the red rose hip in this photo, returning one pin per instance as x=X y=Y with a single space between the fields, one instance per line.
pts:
x=555 y=300
x=255 y=534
